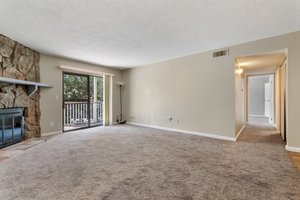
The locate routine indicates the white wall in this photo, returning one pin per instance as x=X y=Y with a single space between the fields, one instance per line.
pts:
x=200 y=91
x=51 y=99
x=256 y=95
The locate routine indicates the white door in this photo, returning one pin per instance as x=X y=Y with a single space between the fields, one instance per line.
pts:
x=268 y=100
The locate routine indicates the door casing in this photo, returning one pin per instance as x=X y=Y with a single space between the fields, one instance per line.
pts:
x=88 y=92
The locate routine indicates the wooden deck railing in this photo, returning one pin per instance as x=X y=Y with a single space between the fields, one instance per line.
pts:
x=77 y=113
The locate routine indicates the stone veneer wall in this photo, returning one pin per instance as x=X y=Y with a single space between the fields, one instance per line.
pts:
x=20 y=62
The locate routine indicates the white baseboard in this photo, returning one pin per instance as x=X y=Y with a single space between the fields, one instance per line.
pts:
x=51 y=133
x=293 y=149
x=237 y=136
x=185 y=131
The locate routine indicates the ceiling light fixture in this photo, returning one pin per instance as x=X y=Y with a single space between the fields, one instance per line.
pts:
x=239 y=70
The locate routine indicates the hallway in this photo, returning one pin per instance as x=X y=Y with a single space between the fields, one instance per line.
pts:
x=261 y=133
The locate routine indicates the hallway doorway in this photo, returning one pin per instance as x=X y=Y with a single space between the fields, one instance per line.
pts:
x=261 y=94
x=261 y=91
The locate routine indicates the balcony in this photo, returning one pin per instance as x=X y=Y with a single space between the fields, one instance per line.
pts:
x=76 y=114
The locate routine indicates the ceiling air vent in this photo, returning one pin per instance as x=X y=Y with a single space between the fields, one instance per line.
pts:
x=221 y=53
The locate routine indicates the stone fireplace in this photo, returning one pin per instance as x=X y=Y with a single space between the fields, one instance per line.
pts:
x=22 y=63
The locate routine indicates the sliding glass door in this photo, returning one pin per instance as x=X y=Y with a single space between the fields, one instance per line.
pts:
x=83 y=97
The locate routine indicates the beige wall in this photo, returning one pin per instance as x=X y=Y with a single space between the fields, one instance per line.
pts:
x=239 y=102
x=51 y=99
x=199 y=91
x=256 y=95
x=277 y=98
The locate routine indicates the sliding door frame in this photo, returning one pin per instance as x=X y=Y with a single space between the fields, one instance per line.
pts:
x=88 y=102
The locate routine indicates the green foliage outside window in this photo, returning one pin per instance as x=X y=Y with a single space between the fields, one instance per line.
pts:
x=75 y=88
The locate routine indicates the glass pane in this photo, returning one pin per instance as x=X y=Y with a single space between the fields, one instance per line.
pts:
x=8 y=130
x=96 y=100
x=75 y=101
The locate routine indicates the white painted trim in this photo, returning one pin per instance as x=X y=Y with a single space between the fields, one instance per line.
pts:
x=258 y=116
x=237 y=136
x=23 y=82
x=293 y=149
x=185 y=131
x=258 y=72
x=51 y=133
x=110 y=100
x=86 y=71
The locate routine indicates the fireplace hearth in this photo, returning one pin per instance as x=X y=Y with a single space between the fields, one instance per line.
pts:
x=11 y=126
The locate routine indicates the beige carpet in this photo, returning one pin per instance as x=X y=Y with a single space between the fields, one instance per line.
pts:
x=127 y=162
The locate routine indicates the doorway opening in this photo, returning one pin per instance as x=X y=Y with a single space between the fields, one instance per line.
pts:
x=261 y=94
x=82 y=101
x=260 y=82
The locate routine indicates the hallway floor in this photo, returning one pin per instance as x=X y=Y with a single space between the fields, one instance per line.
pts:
x=263 y=132
x=262 y=126
x=259 y=121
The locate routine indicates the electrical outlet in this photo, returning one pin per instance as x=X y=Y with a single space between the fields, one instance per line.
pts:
x=51 y=123
x=169 y=118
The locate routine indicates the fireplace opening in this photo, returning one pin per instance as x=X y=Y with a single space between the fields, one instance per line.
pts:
x=11 y=126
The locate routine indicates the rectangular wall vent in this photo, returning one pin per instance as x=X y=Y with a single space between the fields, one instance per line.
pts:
x=221 y=53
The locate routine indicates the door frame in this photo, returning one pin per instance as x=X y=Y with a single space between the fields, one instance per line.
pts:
x=88 y=105
x=283 y=99
x=247 y=95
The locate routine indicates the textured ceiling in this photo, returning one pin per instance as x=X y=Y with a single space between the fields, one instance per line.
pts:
x=127 y=33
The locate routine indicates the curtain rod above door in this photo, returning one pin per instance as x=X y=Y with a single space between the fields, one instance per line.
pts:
x=86 y=71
